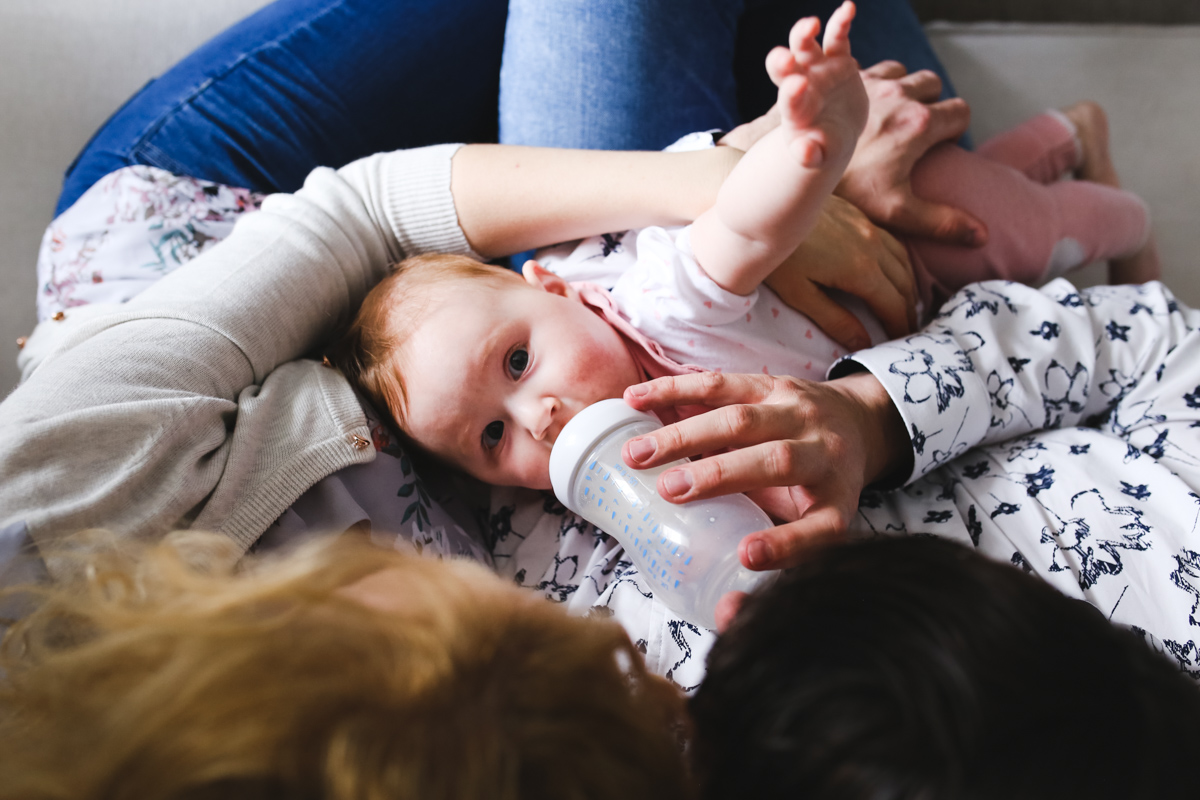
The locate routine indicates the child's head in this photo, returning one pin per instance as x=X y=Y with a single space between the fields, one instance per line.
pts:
x=480 y=367
x=338 y=671
x=915 y=667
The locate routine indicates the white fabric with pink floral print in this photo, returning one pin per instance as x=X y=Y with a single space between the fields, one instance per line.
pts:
x=127 y=231
x=660 y=288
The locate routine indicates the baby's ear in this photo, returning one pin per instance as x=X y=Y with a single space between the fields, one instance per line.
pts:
x=539 y=277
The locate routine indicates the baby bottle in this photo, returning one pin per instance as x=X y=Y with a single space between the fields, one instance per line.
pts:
x=687 y=553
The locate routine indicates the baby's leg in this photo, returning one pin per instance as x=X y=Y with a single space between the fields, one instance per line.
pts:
x=1044 y=147
x=1036 y=231
x=1073 y=140
x=1053 y=143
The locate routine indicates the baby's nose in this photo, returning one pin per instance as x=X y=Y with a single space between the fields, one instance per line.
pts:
x=544 y=422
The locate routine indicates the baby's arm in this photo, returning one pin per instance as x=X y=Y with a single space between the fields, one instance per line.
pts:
x=773 y=197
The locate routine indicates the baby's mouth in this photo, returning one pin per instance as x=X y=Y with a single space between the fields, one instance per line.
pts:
x=557 y=424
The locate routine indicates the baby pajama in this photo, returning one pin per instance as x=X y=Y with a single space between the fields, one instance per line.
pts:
x=1039 y=227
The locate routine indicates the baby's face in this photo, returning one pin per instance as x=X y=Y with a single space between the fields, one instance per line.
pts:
x=493 y=373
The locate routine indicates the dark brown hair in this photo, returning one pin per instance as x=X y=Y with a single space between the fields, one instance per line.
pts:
x=914 y=667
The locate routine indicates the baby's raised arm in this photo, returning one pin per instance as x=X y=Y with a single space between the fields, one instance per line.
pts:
x=773 y=197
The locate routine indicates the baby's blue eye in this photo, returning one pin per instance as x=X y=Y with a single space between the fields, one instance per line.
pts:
x=518 y=360
x=492 y=434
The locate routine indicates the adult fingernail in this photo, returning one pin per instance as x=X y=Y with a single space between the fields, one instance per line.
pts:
x=759 y=554
x=677 y=483
x=637 y=390
x=641 y=449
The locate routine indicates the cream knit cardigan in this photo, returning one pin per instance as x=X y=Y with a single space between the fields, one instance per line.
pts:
x=192 y=404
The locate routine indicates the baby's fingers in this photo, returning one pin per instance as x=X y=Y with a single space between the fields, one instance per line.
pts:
x=780 y=64
x=803 y=42
x=837 y=32
x=808 y=150
x=799 y=106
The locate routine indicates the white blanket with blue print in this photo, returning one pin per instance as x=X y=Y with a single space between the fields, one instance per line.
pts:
x=1055 y=429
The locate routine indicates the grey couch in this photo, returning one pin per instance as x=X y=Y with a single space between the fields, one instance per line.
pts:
x=66 y=64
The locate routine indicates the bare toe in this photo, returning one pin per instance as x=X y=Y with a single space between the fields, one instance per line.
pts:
x=1091 y=126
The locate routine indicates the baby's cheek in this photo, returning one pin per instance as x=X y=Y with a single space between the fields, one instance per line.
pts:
x=605 y=379
x=606 y=368
x=536 y=469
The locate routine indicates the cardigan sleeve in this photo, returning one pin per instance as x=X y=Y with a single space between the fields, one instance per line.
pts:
x=186 y=404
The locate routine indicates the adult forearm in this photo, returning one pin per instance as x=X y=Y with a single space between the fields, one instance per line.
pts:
x=158 y=390
x=1004 y=360
x=510 y=199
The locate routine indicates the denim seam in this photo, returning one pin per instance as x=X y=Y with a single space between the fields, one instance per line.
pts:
x=154 y=156
x=141 y=146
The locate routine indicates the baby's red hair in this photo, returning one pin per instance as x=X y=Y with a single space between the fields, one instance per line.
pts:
x=366 y=353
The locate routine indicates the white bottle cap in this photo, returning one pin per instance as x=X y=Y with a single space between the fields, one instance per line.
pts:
x=579 y=435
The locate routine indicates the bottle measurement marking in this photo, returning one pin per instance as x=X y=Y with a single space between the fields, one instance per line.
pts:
x=660 y=549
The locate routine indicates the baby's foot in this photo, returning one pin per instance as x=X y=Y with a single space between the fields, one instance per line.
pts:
x=1091 y=128
x=1096 y=165
x=1140 y=267
x=822 y=102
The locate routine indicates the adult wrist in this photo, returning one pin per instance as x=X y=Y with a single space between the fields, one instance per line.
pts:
x=887 y=449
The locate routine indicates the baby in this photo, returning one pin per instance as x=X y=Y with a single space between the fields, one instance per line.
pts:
x=483 y=369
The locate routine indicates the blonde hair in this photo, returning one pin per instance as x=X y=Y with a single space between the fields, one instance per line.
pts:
x=366 y=353
x=165 y=672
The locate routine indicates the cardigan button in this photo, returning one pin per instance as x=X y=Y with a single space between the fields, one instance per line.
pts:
x=58 y=316
x=359 y=442
x=21 y=340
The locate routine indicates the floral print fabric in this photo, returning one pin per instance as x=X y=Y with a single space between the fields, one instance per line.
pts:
x=1055 y=429
x=127 y=231
x=1060 y=430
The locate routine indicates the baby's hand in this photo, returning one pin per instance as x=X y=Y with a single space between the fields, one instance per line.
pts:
x=821 y=96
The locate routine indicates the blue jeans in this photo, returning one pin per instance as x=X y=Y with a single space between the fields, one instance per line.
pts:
x=305 y=83
x=638 y=75
x=308 y=83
